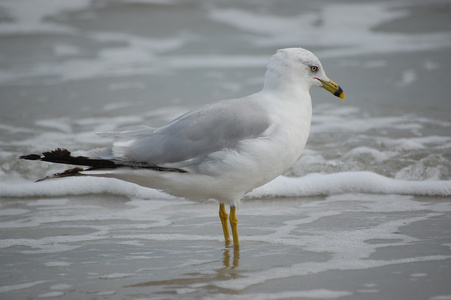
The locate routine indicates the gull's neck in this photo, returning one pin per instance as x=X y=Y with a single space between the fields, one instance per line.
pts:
x=285 y=83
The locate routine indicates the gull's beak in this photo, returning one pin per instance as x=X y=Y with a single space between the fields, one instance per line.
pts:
x=332 y=87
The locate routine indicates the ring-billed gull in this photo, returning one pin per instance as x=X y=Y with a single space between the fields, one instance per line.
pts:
x=219 y=151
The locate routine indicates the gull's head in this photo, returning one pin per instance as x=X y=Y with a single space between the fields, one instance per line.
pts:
x=298 y=68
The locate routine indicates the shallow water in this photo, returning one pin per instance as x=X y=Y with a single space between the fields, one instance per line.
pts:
x=364 y=214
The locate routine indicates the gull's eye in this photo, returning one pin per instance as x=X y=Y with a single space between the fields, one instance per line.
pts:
x=313 y=68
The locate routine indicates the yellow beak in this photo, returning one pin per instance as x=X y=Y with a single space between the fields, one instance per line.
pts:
x=332 y=87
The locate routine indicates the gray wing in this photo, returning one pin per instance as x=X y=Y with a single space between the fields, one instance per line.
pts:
x=129 y=132
x=193 y=136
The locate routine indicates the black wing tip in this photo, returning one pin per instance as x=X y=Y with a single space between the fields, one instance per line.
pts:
x=30 y=157
x=57 y=153
x=63 y=156
x=67 y=173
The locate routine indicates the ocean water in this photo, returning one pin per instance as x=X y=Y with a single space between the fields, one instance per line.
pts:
x=364 y=214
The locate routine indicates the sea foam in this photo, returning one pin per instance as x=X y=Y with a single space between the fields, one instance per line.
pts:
x=283 y=186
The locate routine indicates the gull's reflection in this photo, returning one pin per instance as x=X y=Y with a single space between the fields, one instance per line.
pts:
x=236 y=257
x=229 y=270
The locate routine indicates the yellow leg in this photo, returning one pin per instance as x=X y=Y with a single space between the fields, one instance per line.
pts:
x=234 y=225
x=225 y=227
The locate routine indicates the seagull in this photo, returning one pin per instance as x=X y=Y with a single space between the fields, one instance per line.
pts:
x=220 y=151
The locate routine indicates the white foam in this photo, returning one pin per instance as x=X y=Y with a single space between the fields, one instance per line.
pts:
x=34 y=28
x=57 y=264
x=430 y=168
x=13 y=212
x=20 y=286
x=159 y=2
x=53 y=294
x=14 y=129
x=30 y=16
x=309 y=185
x=349 y=182
x=183 y=291
x=48 y=202
x=45 y=245
x=441 y=297
x=106 y=293
x=136 y=56
x=363 y=150
x=368 y=291
x=400 y=147
x=66 y=50
x=307 y=294
x=408 y=77
x=430 y=65
x=115 y=275
x=61 y=124
x=61 y=286
x=352 y=36
x=419 y=274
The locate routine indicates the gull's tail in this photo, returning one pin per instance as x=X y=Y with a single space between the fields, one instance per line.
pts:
x=63 y=156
